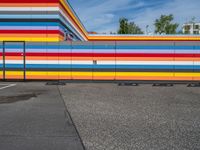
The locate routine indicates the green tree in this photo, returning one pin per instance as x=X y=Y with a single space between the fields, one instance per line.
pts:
x=164 y=25
x=128 y=28
x=134 y=29
x=123 y=26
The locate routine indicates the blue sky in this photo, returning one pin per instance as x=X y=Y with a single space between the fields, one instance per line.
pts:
x=102 y=16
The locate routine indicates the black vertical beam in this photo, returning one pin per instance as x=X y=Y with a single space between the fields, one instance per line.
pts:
x=24 y=60
x=4 y=65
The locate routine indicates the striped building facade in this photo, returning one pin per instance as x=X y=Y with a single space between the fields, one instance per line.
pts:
x=100 y=61
x=36 y=21
x=32 y=47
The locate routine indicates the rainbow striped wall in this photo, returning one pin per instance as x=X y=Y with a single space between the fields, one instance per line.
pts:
x=176 y=61
x=37 y=21
x=48 y=20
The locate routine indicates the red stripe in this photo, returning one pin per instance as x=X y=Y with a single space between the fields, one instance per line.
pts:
x=29 y=1
x=101 y=54
x=30 y=32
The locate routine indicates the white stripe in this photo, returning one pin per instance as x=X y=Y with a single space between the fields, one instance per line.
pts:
x=103 y=62
x=29 y=9
x=14 y=61
x=29 y=27
x=58 y=62
x=10 y=85
x=82 y=62
x=154 y=62
x=48 y=62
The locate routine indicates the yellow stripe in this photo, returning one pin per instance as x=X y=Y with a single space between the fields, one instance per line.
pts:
x=187 y=74
x=142 y=74
x=31 y=73
x=14 y=73
x=129 y=38
x=48 y=39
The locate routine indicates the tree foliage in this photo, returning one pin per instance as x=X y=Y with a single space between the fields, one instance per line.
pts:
x=164 y=25
x=128 y=28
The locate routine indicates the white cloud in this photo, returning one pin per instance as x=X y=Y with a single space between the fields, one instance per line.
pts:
x=103 y=16
x=100 y=15
x=183 y=11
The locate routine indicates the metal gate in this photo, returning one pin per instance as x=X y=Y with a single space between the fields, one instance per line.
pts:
x=14 y=66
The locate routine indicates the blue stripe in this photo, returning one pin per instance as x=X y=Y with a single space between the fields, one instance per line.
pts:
x=81 y=46
x=104 y=46
x=28 y=46
x=58 y=66
x=29 y=23
x=20 y=66
x=113 y=66
x=18 y=46
x=153 y=47
x=35 y=66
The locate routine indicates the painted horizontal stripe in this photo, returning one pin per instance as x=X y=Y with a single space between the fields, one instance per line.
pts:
x=32 y=39
x=104 y=58
x=102 y=54
x=109 y=70
x=102 y=66
x=29 y=27
x=29 y=9
x=163 y=47
x=14 y=65
x=61 y=49
x=40 y=18
x=30 y=32
x=142 y=74
x=119 y=75
x=24 y=16
x=90 y=47
x=29 y=23
x=28 y=1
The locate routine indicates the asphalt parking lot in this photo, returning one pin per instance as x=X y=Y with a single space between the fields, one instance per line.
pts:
x=33 y=117
x=36 y=116
x=114 y=117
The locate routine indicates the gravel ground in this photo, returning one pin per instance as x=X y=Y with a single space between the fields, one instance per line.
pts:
x=111 y=117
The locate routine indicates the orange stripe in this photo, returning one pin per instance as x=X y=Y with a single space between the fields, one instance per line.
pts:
x=14 y=57
x=142 y=78
x=14 y=77
x=196 y=78
x=81 y=77
x=65 y=77
x=103 y=78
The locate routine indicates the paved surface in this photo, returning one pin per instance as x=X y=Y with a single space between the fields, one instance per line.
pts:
x=33 y=117
x=109 y=117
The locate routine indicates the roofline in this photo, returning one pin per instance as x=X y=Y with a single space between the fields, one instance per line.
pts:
x=101 y=37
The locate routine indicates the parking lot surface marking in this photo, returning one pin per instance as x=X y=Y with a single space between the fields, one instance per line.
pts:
x=6 y=86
